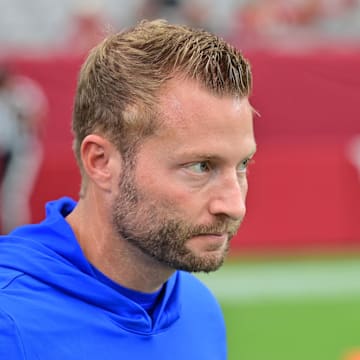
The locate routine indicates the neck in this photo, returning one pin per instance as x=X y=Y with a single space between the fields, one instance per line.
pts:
x=111 y=254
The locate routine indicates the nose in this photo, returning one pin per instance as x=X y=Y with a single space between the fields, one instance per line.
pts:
x=229 y=198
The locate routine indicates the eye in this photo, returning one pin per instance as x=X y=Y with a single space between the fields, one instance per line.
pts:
x=199 y=167
x=244 y=165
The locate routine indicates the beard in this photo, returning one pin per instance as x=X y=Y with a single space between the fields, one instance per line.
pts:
x=156 y=228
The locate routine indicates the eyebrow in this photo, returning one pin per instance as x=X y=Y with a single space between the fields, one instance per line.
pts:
x=214 y=157
x=252 y=153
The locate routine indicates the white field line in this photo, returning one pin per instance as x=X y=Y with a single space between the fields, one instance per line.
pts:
x=290 y=280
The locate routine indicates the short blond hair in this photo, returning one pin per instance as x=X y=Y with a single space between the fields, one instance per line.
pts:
x=120 y=81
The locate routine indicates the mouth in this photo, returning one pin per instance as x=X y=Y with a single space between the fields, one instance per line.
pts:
x=210 y=241
x=220 y=234
x=215 y=234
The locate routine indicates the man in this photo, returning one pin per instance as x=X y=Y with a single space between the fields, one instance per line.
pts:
x=23 y=108
x=163 y=137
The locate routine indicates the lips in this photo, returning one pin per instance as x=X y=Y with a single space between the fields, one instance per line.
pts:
x=214 y=234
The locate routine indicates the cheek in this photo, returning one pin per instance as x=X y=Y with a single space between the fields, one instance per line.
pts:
x=176 y=197
x=163 y=188
x=178 y=200
x=244 y=187
x=170 y=191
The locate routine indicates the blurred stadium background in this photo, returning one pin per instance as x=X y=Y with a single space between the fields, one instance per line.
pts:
x=291 y=287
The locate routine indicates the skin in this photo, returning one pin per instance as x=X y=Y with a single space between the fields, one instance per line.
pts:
x=193 y=169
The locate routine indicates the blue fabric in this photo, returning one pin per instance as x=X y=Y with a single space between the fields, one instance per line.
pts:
x=147 y=301
x=53 y=306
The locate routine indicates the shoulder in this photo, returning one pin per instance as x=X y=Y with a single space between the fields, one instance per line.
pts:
x=192 y=282
x=10 y=339
x=8 y=276
x=11 y=252
x=202 y=313
x=195 y=290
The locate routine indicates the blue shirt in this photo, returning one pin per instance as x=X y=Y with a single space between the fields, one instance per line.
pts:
x=54 y=306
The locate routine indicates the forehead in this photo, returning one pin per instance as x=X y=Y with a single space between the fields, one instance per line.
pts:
x=191 y=112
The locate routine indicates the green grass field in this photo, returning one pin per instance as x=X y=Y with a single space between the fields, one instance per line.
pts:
x=290 y=310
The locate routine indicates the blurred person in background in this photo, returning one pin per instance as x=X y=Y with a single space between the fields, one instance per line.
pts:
x=353 y=152
x=192 y=13
x=264 y=23
x=87 y=25
x=163 y=135
x=23 y=108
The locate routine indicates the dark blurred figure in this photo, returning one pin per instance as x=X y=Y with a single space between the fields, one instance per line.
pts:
x=192 y=13
x=23 y=107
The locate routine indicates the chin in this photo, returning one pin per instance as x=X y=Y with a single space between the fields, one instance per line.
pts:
x=205 y=262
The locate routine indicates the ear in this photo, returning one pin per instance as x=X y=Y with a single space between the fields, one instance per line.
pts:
x=98 y=155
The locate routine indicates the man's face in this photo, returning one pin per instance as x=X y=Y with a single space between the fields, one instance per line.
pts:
x=184 y=198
